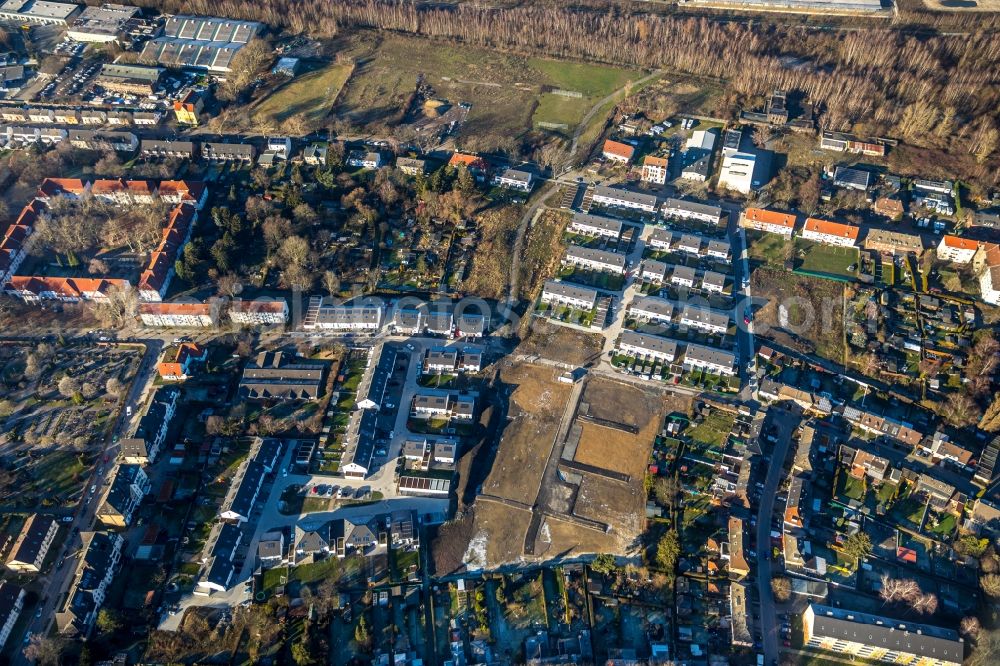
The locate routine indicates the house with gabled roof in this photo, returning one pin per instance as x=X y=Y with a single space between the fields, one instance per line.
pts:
x=617 y=151
x=830 y=233
x=770 y=221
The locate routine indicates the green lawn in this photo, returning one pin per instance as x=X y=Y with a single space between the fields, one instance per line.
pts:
x=560 y=110
x=588 y=79
x=821 y=258
x=767 y=249
x=309 y=96
x=714 y=430
x=851 y=487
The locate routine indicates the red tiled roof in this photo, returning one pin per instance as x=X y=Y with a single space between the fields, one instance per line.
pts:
x=959 y=243
x=470 y=161
x=175 y=308
x=831 y=228
x=619 y=148
x=51 y=187
x=786 y=220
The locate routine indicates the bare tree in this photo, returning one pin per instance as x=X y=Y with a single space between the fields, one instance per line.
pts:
x=44 y=650
x=119 y=307
x=68 y=387
x=114 y=388
x=969 y=626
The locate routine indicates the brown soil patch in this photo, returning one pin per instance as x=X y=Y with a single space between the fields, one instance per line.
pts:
x=499 y=530
x=537 y=405
x=558 y=343
x=609 y=448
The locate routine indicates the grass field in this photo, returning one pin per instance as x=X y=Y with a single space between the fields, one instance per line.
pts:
x=803 y=312
x=504 y=90
x=310 y=96
x=559 y=110
x=766 y=249
x=828 y=259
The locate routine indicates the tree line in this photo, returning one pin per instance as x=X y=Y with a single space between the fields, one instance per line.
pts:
x=872 y=76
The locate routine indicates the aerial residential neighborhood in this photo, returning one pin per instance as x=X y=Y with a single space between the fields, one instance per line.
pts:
x=402 y=333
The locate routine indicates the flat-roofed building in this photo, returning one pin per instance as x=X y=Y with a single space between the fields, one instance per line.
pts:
x=737 y=172
x=770 y=221
x=830 y=233
x=877 y=638
x=710 y=359
x=38 y=11
x=102 y=24
x=643 y=345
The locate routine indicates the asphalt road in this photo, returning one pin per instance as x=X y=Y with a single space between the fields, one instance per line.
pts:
x=786 y=423
x=61 y=575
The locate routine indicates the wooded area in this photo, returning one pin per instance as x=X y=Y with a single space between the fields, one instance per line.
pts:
x=898 y=81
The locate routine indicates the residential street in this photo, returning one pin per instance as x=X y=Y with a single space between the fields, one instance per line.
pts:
x=786 y=423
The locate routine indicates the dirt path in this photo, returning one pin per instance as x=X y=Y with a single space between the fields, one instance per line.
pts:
x=529 y=218
x=597 y=107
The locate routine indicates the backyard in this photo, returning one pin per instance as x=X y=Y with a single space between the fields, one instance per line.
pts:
x=826 y=259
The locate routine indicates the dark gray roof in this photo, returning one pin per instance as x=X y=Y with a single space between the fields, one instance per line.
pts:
x=595 y=255
x=568 y=290
x=29 y=543
x=919 y=639
x=852 y=177
x=652 y=343
x=625 y=195
x=597 y=222
x=691 y=207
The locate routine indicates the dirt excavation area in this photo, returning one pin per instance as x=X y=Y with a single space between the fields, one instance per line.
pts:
x=537 y=402
x=568 y=474
x=616 y=423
